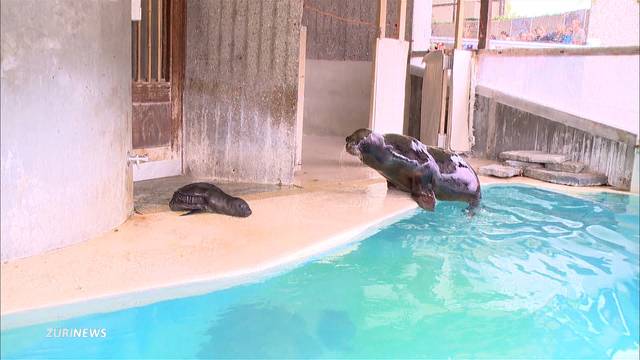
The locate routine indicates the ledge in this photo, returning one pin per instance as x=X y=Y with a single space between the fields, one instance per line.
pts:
x=559 y=116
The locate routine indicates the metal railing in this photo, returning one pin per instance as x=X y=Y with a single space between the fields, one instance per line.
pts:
x=503 y=44
x=150 y=51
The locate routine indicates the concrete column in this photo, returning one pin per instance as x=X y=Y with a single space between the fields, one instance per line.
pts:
x=241 y=90
x=66 y=122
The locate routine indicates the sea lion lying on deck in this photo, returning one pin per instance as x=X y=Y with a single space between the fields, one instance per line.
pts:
x=205 y=197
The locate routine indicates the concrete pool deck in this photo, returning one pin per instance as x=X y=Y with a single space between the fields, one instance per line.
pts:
x=334 y=199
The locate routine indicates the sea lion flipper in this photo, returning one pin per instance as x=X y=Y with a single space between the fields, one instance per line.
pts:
x=425 y=199
x=472 y=208
x=190 y=212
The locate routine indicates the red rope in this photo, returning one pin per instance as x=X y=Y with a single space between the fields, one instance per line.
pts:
x=341 y=18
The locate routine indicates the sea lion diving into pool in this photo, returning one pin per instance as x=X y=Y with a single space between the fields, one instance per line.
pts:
x=427 y=173
x=205 y=197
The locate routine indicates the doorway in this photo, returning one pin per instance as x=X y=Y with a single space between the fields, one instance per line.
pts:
x=157 y=59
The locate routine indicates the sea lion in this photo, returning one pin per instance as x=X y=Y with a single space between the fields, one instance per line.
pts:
x=205 y=197
x=427 y=173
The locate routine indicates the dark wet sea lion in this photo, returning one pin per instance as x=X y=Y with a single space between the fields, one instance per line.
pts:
x=427 y=173
x=205 y=197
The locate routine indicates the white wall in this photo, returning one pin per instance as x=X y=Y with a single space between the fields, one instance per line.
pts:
x=601 y=88
x=421 y=25
x=337 y=96
x=614 y=23
x=66 y=122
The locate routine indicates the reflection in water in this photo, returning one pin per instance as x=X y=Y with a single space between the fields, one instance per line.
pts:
x=533 y=275
x=335 y=330
x=251 y=330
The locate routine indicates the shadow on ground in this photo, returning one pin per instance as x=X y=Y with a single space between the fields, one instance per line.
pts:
x=152 y=196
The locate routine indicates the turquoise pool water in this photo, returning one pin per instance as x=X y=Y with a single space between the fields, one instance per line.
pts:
x=534 y=274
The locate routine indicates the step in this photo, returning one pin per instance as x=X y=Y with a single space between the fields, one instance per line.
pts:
x=500 y=171
x=566 y=178
x=567 y=166
x=533 y=156
x=522 y=164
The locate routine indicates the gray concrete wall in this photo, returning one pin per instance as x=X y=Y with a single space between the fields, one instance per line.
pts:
x=241 y=87
x=502 y=123
x=66 y=122
x=415 y=106
x=337 y=95
x=346 y=29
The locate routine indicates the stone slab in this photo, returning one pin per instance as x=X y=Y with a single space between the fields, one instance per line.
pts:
x=522 y=164
x=500 y=171
x=566 y=178
x=567 y=166
x=533 y=156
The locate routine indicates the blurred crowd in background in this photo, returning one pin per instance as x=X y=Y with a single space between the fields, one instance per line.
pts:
x=571 y=34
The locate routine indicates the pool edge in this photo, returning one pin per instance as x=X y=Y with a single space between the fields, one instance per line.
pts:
x=197 y=286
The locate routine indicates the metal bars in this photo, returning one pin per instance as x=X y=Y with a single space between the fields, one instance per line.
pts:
x=150 y=52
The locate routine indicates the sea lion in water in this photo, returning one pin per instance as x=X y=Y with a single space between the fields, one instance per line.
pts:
x=427 y=173
x=205 y=197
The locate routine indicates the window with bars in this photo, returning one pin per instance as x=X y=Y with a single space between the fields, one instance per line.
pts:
x=150 y=43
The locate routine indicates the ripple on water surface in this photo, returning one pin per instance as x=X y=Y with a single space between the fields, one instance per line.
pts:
x=533 y=274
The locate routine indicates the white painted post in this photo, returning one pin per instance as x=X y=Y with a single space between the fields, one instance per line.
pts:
x=390 y=71
x=421 y=25
x=635 y=181
x=389 y=77
x=300 y=106
x=458 y=126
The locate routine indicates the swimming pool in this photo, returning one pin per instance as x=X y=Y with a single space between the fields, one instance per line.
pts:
x=533 y=274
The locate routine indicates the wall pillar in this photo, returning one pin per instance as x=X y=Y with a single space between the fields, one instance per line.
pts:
x=66 y=122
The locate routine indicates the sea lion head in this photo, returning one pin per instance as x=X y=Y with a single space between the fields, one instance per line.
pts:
x=355 y=140
x=238 y=207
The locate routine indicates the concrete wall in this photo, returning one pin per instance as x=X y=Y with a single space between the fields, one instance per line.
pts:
x=340 y=45
x=602 y=88
x=502 y=122
x=415 y=105
x=66 y=122
x=585 y=106
x=347 y=29
x=337 y=96
x=241 y=89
